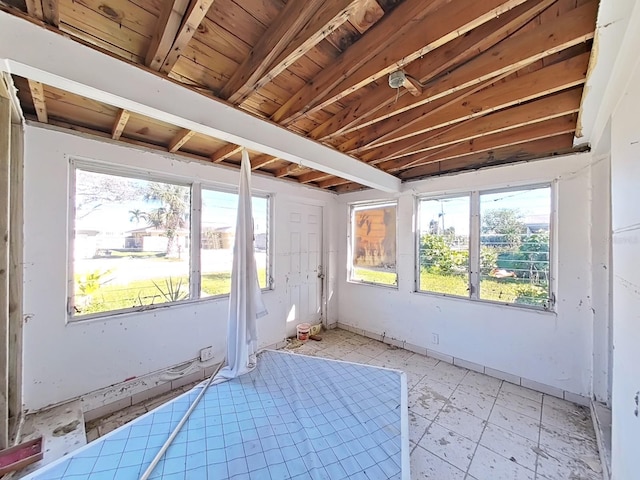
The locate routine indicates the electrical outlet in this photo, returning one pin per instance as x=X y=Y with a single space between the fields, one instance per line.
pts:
x=206 y=354
x=435 y=338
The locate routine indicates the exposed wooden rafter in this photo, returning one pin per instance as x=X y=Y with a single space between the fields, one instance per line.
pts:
x=437 y=62
x=518 y=89
x=540 y=110
x=261 y=161
x=165 y=32
x=390 y=27
x=255 y=71
x=37 y=94
x=46 y=10
x=511 y=54
x=225 y=152
x=121 y=121
x=444 y=24
x=195 y=12
x=180 y=139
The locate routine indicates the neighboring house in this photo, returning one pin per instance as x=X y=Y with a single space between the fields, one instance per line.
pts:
x=151 y=239
x=88 y=242
x=536 y=223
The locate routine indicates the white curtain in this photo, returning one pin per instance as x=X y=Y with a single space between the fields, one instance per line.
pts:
x=245 y=300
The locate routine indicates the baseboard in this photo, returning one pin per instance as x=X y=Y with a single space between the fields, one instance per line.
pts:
x=601 y=417
x=511 y=378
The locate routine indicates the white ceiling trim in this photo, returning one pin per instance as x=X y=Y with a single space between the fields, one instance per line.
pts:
x=34 y=52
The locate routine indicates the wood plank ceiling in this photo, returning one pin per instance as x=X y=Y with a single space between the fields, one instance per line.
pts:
x=485 y=83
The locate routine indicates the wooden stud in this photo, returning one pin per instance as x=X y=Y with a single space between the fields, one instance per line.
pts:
x=5 y=192
x=45 y=10
x=120 y=123
x=37 y=95
x=165 y=33
x=422 y=35
x=34 y=8
x=16 y=265
x=180 y=139
x=280 y=33
x=190 y=23
x=225 y=152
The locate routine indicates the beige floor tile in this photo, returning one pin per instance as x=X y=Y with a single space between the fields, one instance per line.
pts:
x=482 y=383
x=488 y=465
x=417 y=427
x=461 y=422
x=477 y=405
x=525 y=406
x=521 y=391
x=518 y=449
x=426 y=465
x=448 y=445
x=553 y=465
x=515 y=422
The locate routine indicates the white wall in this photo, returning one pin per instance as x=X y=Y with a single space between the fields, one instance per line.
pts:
x=625 y=192
x=554 y=349
x=64 y=360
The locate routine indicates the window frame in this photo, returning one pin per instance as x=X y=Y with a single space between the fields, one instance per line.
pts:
x=195 y=223
x=350 y=239
x=418 y=200
x=475 y=243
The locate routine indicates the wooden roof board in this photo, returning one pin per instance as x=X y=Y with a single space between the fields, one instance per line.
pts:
x=226 y=36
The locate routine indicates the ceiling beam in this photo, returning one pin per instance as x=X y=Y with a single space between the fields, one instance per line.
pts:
x=280 y=33
x=540 y=110
x=448 y=22
x=120 y=122
x=225 y=152
x=182 y=137
x=403 y=17
x=440 y=60
x=165 y=33
x=538 y=149
x=262 y=160
x=37 y=95
x=190 y=22
x=288 y=170
x=71 y=66
x=519 y=50
x=554 y=78
x=45 y=10
x=312 y=177
x=527 y=133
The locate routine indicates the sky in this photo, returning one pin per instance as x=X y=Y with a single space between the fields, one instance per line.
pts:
x=218 y=209
x=456 y=210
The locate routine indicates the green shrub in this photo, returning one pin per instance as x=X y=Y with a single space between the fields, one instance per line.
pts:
x=531 y=295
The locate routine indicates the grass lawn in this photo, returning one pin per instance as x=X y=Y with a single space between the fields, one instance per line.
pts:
x=145 y=292
x=503 y=290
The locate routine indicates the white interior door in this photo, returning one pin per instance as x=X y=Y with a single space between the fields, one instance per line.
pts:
x=304 y=268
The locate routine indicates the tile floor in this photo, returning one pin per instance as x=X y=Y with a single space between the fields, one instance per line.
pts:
x=463 y=425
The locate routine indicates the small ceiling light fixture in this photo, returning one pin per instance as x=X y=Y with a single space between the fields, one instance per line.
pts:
x=397 y=79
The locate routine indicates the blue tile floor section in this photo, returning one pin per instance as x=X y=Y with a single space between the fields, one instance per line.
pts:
x=293 y=417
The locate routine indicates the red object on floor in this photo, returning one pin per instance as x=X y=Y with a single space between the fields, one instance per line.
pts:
x=18 y=457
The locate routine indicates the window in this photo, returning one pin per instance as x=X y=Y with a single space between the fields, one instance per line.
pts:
x=444 y=245
x=501 y=254
x=373 y=244
x=219 y=211
x=132 y=241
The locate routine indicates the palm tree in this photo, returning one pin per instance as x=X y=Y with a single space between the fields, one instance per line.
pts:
x=137 y=215
x=174 y=212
